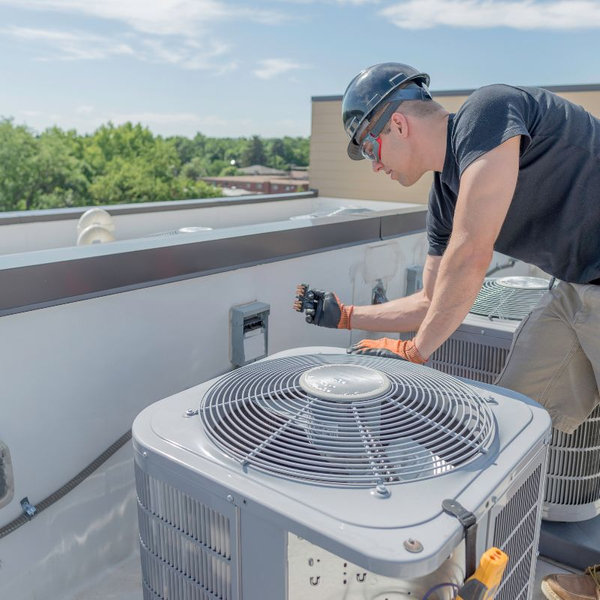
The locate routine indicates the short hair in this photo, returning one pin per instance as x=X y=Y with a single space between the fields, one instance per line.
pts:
x=415 y=108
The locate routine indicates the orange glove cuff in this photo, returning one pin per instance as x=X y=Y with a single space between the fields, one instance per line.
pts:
x=345 y=316
x=413 y=354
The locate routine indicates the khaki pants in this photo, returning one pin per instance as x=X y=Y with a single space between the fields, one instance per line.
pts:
x=555 y=355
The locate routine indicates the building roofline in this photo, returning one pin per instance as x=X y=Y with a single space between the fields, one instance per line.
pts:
x=255 y=179
x=585 y=87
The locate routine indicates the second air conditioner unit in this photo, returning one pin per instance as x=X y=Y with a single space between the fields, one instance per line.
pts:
x=478 y=351
x=317 y=474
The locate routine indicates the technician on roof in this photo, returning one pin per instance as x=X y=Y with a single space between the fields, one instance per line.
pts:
x=517 y=170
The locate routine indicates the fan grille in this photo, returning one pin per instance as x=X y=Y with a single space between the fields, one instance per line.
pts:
x=427 y=423
x=498 y=300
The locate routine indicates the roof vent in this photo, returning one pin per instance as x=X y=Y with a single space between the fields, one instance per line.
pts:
x=343 y=210
x=181 y=230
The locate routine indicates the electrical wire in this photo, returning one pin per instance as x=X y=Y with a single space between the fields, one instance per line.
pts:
x=439 y=586
x=65 y=489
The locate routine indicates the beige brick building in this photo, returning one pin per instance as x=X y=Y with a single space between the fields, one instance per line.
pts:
x=334 y=174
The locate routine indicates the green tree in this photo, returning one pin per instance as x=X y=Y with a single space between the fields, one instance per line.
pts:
x=40 y=172
x=60 y=178
x=18 y=148
x=125 y=163
x=228 y=171
x=254 y=152
x=186 y=148
x=195 y=169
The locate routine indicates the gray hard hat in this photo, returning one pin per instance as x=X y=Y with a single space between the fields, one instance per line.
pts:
x=382 y=83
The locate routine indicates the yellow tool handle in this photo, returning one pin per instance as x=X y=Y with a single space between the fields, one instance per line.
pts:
x=482 y=585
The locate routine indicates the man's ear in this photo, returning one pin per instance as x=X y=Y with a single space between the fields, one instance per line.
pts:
x=399 y=121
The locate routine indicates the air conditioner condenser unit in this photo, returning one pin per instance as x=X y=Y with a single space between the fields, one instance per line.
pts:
x=317 y=474
x=478 y=350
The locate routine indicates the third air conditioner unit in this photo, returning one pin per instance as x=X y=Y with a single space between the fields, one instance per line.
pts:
x=317 y=474
x=478 y=351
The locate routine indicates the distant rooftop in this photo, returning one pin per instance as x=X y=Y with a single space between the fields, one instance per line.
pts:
x=261 y=170
x=256 y=179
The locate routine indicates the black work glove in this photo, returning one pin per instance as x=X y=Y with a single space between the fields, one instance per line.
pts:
x=322 y=308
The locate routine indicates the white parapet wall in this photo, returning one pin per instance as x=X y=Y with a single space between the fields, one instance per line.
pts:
x=75 y=375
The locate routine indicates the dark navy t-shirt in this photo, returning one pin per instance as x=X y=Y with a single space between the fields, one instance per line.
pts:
x=554 y=217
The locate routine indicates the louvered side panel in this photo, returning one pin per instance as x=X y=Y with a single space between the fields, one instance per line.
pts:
x=185 y=545
x=516 y=532
x=464 y=358
x=161 y=581
x=574 y=470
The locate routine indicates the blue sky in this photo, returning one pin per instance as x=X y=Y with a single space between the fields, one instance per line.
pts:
x=238 y=68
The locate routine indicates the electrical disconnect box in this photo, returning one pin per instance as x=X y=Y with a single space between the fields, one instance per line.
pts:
x=249 y=333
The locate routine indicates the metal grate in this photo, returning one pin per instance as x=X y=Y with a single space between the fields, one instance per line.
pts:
x=516 y=532
x=510 y=298
x=162 y=581
x=424 y=425
x=574 y=464
x=472 y=360
x=185 y=546
x=463 y=358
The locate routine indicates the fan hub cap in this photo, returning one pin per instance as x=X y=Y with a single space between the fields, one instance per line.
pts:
x=344 y=383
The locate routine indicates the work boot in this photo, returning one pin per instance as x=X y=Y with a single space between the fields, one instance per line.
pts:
x=582 y=586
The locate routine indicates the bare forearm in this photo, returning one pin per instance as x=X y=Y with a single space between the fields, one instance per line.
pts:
x=404 y=314
x=459 y=280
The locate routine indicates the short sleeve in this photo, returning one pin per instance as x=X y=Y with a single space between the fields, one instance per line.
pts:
x=489 y=117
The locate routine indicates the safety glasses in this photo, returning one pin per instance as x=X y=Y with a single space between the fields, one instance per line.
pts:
x=370 y=147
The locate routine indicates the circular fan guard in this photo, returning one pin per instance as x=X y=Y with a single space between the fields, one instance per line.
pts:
x=511 y=298
x=426 y=424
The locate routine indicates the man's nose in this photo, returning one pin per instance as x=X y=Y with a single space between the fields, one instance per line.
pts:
x=377 y=166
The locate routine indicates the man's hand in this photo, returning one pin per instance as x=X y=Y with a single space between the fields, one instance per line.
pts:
x=322 y=308
x=388 y=348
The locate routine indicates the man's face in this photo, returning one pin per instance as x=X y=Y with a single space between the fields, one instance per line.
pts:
x=395 y=157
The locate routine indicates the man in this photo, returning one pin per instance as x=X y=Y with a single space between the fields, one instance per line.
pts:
x=515 y=170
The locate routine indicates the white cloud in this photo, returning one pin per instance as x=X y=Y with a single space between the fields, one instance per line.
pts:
x=516 y=14
x=210 y=55
x=85 y=109
x=161 y=17
x=177 y=32
x=70 y=45
x=272 y=67
x=355 y=2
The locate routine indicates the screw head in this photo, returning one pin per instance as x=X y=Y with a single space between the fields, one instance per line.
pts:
x=145 y=454
x=190 y=412
x=381 y=491
x=413 y=546
x=229 y=498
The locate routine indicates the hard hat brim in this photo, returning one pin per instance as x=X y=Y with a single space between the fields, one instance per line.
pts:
x=354 y=151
